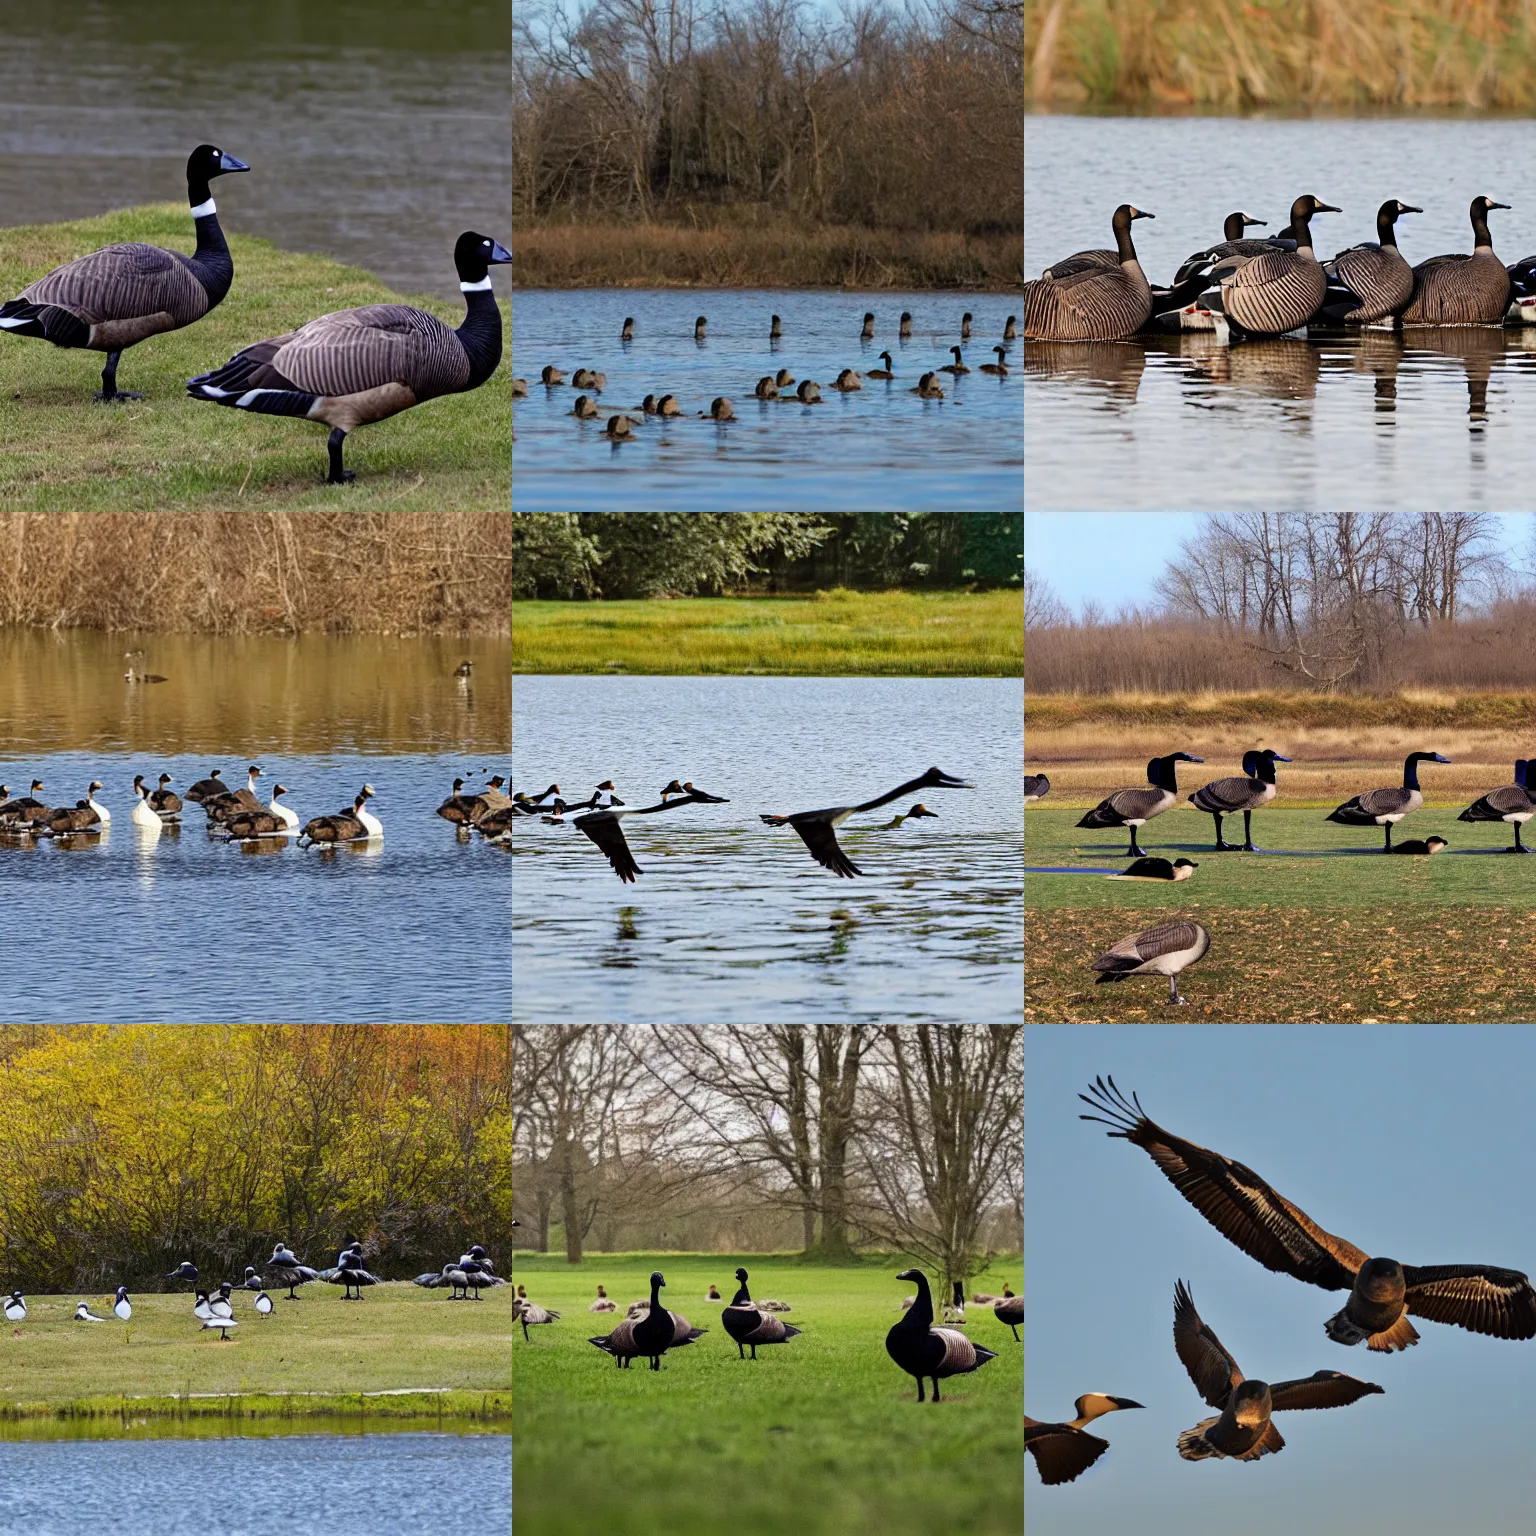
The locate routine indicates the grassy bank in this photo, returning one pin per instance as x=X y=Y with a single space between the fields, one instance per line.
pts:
x=822 y=1436
x=777 y=256
x=838 y=633
x=330 y=1351
x=60 y=451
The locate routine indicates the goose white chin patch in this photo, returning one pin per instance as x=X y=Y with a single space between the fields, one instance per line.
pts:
x=204 y=209
x=481 y=287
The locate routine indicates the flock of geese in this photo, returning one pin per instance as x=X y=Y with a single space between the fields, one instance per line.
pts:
x=1243 y=287
x=239 y=816
x=1384 y=1296
x=604 y=813
x=1168 y=948
x=781 y=385
x=344 y=369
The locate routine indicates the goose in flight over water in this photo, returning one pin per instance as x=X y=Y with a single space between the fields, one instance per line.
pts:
x=818 y=829
x=1243 y=1428
x=1063 y=1452
x=603 y=828
x=1267 y=1227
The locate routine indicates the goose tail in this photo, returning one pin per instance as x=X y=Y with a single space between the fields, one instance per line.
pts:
x=235 y=385
x=46 y=322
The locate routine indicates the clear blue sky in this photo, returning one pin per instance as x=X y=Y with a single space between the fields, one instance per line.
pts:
x=1412 y=1141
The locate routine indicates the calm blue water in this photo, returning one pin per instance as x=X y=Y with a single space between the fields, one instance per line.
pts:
x=880 y=449
x=732 y=921
x=386 y=1485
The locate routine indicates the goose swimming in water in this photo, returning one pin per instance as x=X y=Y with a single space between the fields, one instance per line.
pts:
x=1036 y=787
x=869 y=327
x=143 y=816
x=818 y=829
x=220 y=806
x=1243 y=1428
x=1165 y=950
x=353 y=826
x=1371 y=281
x=1269 y=1228
x=847 y=380
x=958 y=366
x=888 y=372
x=1157 y=869
x=1462 y=290
x=274 y=820
x=766 y=388
x=928 y=387
x=1281 y=290
x=1134 y=808
x=164 y=801
x=1386 y=807
x=1511 y=804
x=212 y=785
x=604 y=829
x=1000 y=367
x=1084 y=298
x=896 y=821
x=1063 y=1452
x=1226 y=797
x=25 y=810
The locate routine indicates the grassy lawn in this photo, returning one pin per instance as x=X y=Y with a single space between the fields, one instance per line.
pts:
x=823 y=1436
x=839 y=633
x=1324 y=928
x=59 y=450
x=399 y=1336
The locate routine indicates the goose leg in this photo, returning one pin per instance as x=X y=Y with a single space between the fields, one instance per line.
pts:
x=1221 y=845
x=1015 y=1330
x=1248 y=833
x=920 y=1396
x=1388 y=826
x=741 y=1354
x=1173 y=991
x=338 y=475
x=109 y=390
x=1519 y=846
x=935 y=1389
x=1136 y=850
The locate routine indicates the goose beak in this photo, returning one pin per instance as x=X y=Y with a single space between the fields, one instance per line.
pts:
x=1125 y=1402
x=1141 y=213
x=1280 y=759
x=1326 y=208
x=229 y=163
x=1408 y=208
x=1493 y=204
x=1251 y=222
x=499 y=253
x=1438 y=759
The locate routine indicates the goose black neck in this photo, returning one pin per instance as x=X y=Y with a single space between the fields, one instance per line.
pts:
x=920 y=1313
x=1386 y=227
x=1480 y=235
x=1161 y=773
x=1124 y=248
x=655 y=1295
x=895 y=794
x=480 y=335
x=1301 y=229
x=1264 y=770
x=1411 y=773
x=211 y=261
x=741 y=1298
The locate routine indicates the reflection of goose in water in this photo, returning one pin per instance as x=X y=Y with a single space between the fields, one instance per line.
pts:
x=1275 y=367
x=1117 y=366
x=1479 y=349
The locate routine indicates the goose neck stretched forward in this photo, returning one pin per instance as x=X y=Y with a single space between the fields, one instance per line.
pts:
x=604 y=827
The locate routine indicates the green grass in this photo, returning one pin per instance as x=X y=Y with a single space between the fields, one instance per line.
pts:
x=316 y=1355
x=838 y=633
x=1328 y=930
x=59 y=450
x=823 y=1436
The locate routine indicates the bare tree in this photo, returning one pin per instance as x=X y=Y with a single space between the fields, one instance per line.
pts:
x=1042 y=608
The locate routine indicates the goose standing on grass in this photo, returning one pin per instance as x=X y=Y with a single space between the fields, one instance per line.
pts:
x=223 y=1324
x=263 y=1304
x=450 y=1275
x=1386 y=807
x=285 y=1269
x=954 y=1310
x=121 y=1305
x=1036 y=787
x=1511 y=804
x=748 y=1326
x=1063 y=1452
x=530 y=1315
x=349 y=1272
x=116 y=297
x=1165 y=950
x=364 y=365
x=652 y=1334
x=220 y=1304
x=1009 y=1310
x=1462 y=290
x=1134 y=808
x=922 y=1350
x=818 y=829
x=16 y=1308
x=1157 y=869
x=1371 y=281
x=1245 y=793
x=1085 y=299
x=604 y=829
x=353 y=826
x=1279 y=291
x=200 y=1308
x=1269 y=1228
x=1243 y=1428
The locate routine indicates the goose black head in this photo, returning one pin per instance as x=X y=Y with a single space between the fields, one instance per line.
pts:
x=95 y=785
x=1481 y=205
x=1274 y=756
x=203 y=164
x=741 y=1275
x=1126 y=212
x=606 y=784
x=912 y=1274
x=657 y=1278
x=1393 y=209
x=474 y=255
x=279 y=789
x=1306 y=205
x=1237 y=222
x=165 y=778
x=1380 y=1280
x=936 y=778
x=922 y=810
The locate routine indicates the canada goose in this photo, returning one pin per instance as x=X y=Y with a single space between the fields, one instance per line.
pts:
x=1001 y=365
x=116 y=297
x=67 y=819
x=905 y=330
x=16 y=1308
x=83 y=1314
x=922 y=1350
x=1243 y=1429
x=957 y=367
x=868 y=332
x=750 y=1326
x=1063 y=1452
x=350 y=826
x=847 y=380
x=928 y=388
x=628 y=331
x=1266 y=1226
x=1232 y=249
x=357 y=366
x=25 y=810
x=1512 y=803
x=818 y=829
x=165 y=801
x=619 y=427
x=459 y=808
x=465 y=669
x=604 y=829
x=809 y=392
x=766 y=388
x=272 y=820
x=1386 y=807
x=584 y=407
x=1246 y=793
x=519 y=389
x=584 y=378
x=648 y=405
x=349 y=1272
x=1036 y=787
x=1279 y=291
x=602 y=1304
x=530 y=800
x=185 y=1271
x=225 y=804
x=651 y=1335
x=775 y=331
x=917 y=811
x=1134 y=808
x=720 y=409
x=965 y=326
x=1417 y=845
x=1371 y=281
x=784 y=378
x=212 y=785
x=1082 y=299
x=1009 y=1310
x=1010 y=332
x=699 y=327
x=143 y=816
x=888 y=372
x=530 y=1315
x=551 y=375
x=770 y=1305
x=130 y=676
x=285 y=1269
x=1156 y=869
x=667 y=406
x=1165 y=950
x=1462 y=290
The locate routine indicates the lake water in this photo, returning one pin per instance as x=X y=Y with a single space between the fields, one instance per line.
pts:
x=877 y=449
x=404 y=1485
x=1425 y=419
x=376 y=131
x=731 y=921
x=180 y=927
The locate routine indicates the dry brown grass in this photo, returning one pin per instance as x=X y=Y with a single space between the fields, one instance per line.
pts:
x=781 y=255
x=249 y=572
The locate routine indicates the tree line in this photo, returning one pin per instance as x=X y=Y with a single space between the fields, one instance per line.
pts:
x=903 y=1138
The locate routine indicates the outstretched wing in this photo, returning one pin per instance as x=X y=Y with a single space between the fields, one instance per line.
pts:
x=1233 y=1198
x=1322 y=1389
x=1210 y=1366
x=1062 y=1453
x=825 y=849
x=606 y=832
x=1474 y=1296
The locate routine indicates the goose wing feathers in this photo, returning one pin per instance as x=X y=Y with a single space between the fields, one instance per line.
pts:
x=1127 y=805
x=821 y=839
x=1151 y=944
x=1476 y=1297
x=1323 y=1389
x=1510 y=800
x=1234 y=1199
x=1380 y=802
x=1210 y=1366
x=621 y=1341
x=960 y=1353
x=606 y=832
x=1061 y=1453
x=353 y=350
x=1233 y=794
x=124 y=282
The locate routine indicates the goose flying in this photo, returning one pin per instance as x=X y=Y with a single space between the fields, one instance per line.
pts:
x=1382 y=1292
x=1244 y=792
x=603 y=828
x=1512 y=804
x=1136 y=807
x=818 y=829
x=1243 y=1428
x=1063 y=1452
x=1161 y=951
x=1386 y=807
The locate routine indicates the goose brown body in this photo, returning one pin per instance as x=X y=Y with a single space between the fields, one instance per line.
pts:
x=922 y=1350
x=1088 y=299
x=1462 y=290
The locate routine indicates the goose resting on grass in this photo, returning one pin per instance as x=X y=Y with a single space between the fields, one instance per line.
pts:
x=1157 y=869
x=1386 y=807
x=1243 y=1428
x=1162 y=951
x=1063 y=1452
x=1245 y=793
x=749 y=1325
x=1266 y=1226
x=1511 y=804
x=922 y=1350
x=1134 y=808
x=602 y=1304
x=1421 y=846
